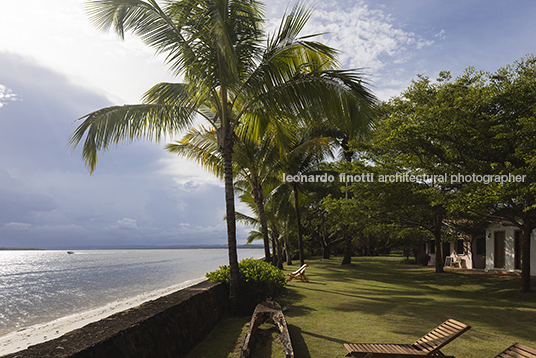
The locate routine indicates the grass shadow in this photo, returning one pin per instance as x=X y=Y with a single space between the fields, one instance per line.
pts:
x=298 y=342
x=225 y=340
x=379 y=300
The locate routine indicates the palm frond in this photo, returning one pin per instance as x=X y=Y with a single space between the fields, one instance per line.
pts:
x=254 y=235
x=201 y=146
x=247 y=220
x=112 y=125
x=145 y=19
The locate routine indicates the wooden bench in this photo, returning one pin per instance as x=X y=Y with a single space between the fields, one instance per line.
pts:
x=517 y=350
x=428 y=345
x=299 y=274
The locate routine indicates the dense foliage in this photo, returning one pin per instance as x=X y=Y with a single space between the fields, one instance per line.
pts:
x=260 y=280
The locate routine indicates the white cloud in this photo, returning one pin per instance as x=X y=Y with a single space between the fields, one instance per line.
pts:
x=59 y=35
x=441 y=34
x=365 y=37
x=6 y=94
x=17 y=226
x=126 y=224
x=187 y=174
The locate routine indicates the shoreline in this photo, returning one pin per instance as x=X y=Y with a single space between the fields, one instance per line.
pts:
x=24 y=337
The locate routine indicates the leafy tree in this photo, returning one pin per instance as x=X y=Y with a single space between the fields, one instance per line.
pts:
x=511 y=123
x=379 y=208
x=234 y=78
x=321 y=224
x=475 y=130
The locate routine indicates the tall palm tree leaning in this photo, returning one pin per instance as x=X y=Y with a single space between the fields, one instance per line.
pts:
x=219 y=48
x=253 y=165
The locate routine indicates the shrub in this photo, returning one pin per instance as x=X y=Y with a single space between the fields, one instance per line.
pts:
x=260 y=280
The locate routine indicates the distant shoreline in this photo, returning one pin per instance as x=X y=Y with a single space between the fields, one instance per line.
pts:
x=131 y=248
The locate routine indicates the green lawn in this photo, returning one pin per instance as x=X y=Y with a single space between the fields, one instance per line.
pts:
x=378 y=300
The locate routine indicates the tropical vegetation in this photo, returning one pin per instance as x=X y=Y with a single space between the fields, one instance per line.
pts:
x=432 y=168
x=324 y=167
x=260 y=280
x=240 y=81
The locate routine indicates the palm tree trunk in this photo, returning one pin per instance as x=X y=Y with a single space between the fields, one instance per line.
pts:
x=277 y=259
x=279 y=245
x=298 y=220
x=226 y=148
x=258 y=198
x=325 y=247
x=287 y=250
x=348 y=154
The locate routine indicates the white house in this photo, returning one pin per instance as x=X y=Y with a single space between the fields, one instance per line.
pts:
x=499 y=248
x=462 y=253
x=503 y=249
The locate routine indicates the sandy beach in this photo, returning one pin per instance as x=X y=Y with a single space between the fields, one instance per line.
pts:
x=25 y=337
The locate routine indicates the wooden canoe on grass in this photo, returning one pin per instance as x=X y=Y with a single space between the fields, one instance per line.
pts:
x=265 y=312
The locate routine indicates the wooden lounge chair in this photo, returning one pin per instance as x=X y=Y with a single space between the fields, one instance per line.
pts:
x=517 y=350
x=299 y=274
x=428 y=345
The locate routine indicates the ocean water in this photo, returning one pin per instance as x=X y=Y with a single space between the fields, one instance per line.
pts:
x=41 y=286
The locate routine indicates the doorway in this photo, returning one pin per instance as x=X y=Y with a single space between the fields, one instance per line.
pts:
x=500 y=259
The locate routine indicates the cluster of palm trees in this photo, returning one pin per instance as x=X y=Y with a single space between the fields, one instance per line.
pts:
x=268 y=101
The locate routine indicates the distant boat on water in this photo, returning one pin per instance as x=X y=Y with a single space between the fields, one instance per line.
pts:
x=70 y=252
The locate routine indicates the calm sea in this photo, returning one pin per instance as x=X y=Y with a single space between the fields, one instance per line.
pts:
x=41 y=286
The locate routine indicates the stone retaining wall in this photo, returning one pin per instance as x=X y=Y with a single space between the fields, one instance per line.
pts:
x=167 y=327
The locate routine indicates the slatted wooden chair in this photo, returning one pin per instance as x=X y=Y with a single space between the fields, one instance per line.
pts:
x=428 y=345
x=517 y=350
x=299 y=274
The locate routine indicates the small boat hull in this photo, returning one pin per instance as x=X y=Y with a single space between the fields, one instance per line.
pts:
x=265 y=312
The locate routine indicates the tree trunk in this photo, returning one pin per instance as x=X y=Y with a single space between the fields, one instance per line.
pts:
x=525 y=257
x=258 y=198
x=326 y=253
x=287 y=250
x=298 y=221
x=279 y=254
x=437 y=241
x=322 y=240
x=347 y=259
x=473 y=237
x=277 y=259
x=348 y=154
x=226 y=148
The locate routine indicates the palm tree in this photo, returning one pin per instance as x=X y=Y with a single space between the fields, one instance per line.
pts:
x=302 y=157
x=254 y=166
x=231 y=80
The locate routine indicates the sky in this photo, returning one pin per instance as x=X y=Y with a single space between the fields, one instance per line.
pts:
x=56 y=67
